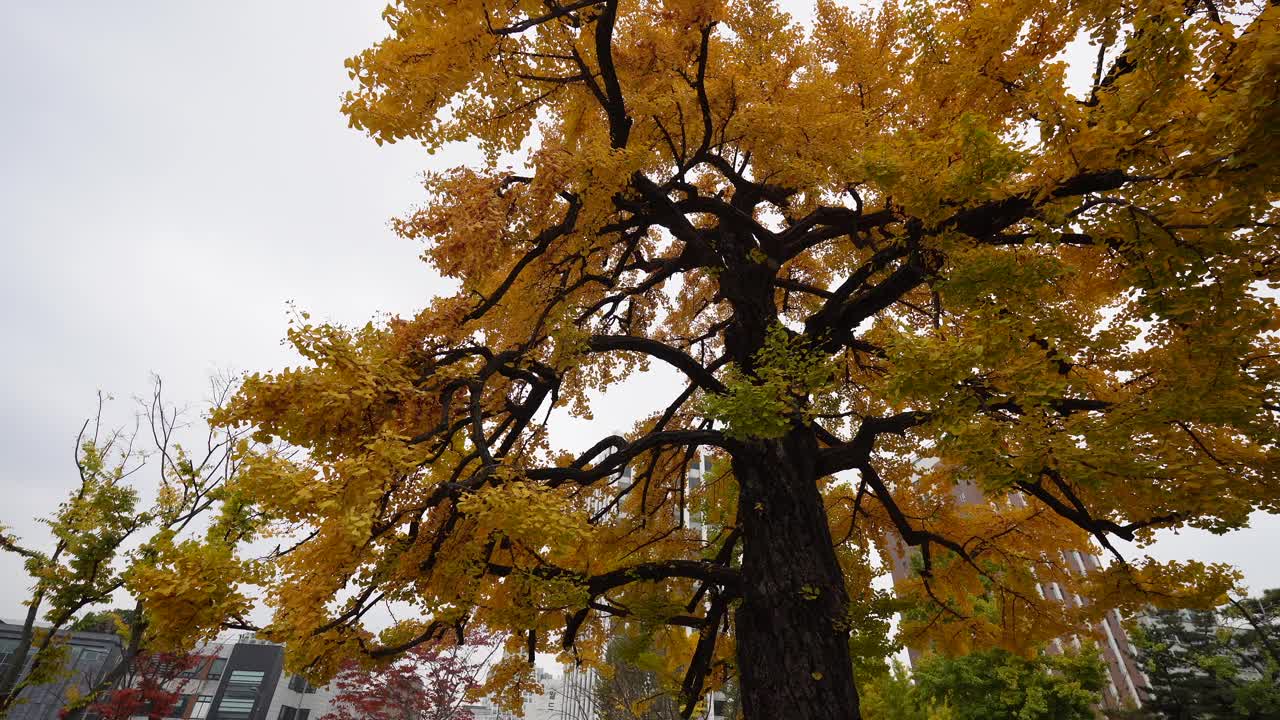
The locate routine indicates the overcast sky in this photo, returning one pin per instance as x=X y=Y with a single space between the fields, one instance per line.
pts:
x=171 y=175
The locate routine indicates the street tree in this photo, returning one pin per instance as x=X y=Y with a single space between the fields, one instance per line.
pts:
x=1213 y=664
x=1031 y=240
x=890 y=695
x=180 y=554
x=990 y=684
x=631 y=688
x=88 y=532
x=426 y=683
x=999 y=684
x=151 y=687
x=106 y=621
x=187 y=567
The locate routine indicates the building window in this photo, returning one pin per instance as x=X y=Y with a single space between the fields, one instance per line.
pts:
x=200 y=664
x=287 y=713
x=249 y=679
x=297 y=683
x=201 y=707
x=246 y=678
x=7 y=646
x=303 y=714
x=240 y=695
x=179 y=708
x=216 y=668
x=235 y=708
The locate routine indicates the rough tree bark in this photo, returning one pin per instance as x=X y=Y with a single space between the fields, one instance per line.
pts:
x=792 y=617
x=792 y=635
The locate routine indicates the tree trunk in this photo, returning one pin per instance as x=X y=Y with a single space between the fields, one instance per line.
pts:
x=18 y=658
x=791 y=627
x=791 y=630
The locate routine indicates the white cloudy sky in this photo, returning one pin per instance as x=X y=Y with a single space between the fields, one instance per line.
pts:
x=171 y=175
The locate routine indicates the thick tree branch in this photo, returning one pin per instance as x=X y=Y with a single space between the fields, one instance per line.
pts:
x=857 y=452
x=558 y=12
x=670 y=355
x=615 y=107
x=540 y=245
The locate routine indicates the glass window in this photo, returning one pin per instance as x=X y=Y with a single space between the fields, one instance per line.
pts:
x=247 y=677
x=179 y=707
x=197 y=666
x=216 y=668
x=233 y=708
x=303 y=714
x=201 y=707
x=7 y=646
x=239 y=695
x=287 y=713
x=298 y=683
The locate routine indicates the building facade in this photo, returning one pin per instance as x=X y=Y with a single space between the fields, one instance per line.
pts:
x=245 y=679
x=88 y=657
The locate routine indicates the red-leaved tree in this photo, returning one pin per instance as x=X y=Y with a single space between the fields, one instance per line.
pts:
x=151 y=687
x=426 y=683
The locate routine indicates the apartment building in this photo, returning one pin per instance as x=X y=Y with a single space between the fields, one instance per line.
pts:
x=244 y=679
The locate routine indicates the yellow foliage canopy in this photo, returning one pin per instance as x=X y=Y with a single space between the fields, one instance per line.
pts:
x=899 y=233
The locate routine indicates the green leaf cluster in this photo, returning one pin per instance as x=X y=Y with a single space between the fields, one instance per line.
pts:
x=763 y=403
x=990 y=684
x=632 y=690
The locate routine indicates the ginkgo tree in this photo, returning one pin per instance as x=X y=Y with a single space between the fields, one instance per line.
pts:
x=87 y=532
x=179 y=554
x=1030 y=240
